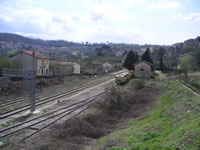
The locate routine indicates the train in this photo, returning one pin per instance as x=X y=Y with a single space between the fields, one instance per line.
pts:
x=123 y=78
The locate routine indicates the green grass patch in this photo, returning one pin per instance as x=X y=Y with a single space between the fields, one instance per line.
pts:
x=173 y=124
x=161 y=76
x=19 y=119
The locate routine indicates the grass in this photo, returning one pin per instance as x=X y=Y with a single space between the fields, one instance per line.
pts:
x=17 y=120
x=193 y=80
x=173 y=124
x=161 y=76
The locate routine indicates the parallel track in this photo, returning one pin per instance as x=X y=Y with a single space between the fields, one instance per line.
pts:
x=49 y=99
x=45 y=93
x=60 y=113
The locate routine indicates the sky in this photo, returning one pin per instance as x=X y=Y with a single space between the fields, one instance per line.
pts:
x=162 y=22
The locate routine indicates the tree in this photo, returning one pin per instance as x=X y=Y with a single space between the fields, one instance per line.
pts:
x=5 y=62
x=172 y=59
x=160 y=55
x=146 y=56
x=99 y=51
x=196 y=55
x=131 y=58
x=106 y=47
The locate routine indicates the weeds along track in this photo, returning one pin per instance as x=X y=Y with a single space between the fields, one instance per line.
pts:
x=50 y=99
x=43 y=94
x=41 y=122
x=49 y=90
x=188 y=86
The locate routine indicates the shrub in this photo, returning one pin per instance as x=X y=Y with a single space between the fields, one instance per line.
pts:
x=139 y=84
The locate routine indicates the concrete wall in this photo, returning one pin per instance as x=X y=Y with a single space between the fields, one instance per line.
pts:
x=142 y=70
x=94 y=68
x=64 y=69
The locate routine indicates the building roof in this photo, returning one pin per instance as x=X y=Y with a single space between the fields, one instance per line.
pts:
x=144 y=61
x=37 y=55
x=66 y=63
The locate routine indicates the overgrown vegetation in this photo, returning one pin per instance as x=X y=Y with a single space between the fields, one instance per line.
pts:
x=174 y=124
x=109 y=115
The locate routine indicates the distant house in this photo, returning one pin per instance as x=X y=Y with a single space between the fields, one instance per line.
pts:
x=92 y=68
x=142 y=69
x=26 y=59
x=68 y=68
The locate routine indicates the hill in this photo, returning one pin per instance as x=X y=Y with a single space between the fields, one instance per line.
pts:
x=60 y=48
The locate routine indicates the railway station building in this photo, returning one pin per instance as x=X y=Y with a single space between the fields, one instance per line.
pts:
x=30 y=61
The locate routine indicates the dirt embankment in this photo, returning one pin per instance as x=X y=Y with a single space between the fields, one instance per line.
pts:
x=111 y=114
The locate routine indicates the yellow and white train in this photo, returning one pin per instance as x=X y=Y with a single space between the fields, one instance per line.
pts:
x=123 y=78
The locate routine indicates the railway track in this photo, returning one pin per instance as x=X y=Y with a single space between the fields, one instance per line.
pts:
x=50 y=118
x=44 y=93
x=49 y=99
x=186 y=85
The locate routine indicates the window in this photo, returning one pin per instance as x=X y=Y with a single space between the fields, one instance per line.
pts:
x=141 y=69
x=43 y=62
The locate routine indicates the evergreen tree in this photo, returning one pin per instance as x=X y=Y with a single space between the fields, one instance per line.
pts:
x=146 y=56
x=131 y=58
x=161 y=54
x=136 y=56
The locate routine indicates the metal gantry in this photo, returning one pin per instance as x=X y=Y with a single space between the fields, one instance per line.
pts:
x=28 y=81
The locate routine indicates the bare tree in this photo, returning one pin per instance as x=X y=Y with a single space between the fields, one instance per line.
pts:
x=173 y=59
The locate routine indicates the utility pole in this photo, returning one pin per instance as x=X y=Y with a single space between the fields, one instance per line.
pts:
x=32 y=91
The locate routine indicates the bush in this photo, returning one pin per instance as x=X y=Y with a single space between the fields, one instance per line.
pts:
x=138 y=84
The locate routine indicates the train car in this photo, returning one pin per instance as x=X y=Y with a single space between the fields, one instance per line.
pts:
x=123 y=78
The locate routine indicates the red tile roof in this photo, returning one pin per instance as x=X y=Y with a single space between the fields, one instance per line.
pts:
x=37 y=55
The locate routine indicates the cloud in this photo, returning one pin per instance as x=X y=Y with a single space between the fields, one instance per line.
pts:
x=194 y=16
x=96 y=16
x=165 y=4
x=58 y=19
x=28 y=19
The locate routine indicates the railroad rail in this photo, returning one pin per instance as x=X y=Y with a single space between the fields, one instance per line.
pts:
x=49 y=99
x=46 y=92
x=188 y=86
x=10 y=102
x=38 y=95
x=69 y=111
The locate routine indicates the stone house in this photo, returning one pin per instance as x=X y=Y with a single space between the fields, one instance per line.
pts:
x=92 y=68
x=143 y=69
x=30 y=61
x=68 y=68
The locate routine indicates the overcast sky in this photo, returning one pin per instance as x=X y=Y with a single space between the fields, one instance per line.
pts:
x=117 y=21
